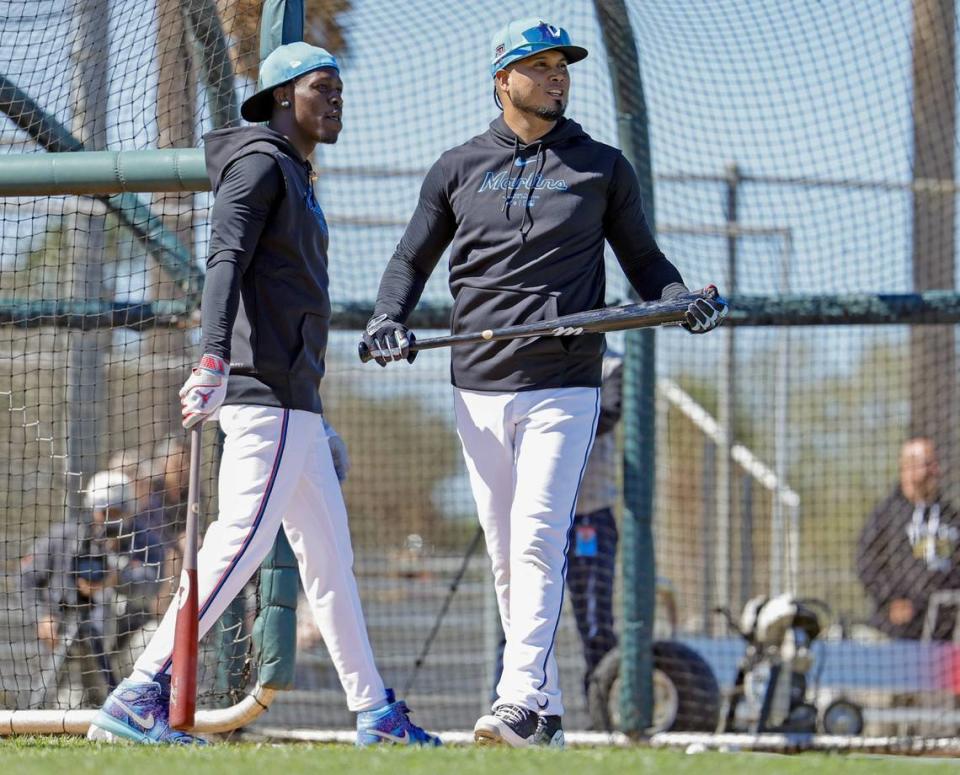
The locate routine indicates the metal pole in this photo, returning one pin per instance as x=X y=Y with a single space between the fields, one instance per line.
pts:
x=746 y=538
x=84 y=236
x=779 y=539
x=281 y=21
x=216 y=70
x=708 y=528
x=793 y=551
x=726 y=400
x=778 y=518
x=639 y=572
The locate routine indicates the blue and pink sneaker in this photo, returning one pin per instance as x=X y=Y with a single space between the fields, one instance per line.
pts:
x=139 y=712
x=391 y=724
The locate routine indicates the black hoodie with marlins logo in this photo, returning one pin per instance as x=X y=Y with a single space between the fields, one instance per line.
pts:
x=527 y=225
x=266 y=306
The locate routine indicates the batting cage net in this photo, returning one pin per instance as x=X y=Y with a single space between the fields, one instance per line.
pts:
x=803 y=160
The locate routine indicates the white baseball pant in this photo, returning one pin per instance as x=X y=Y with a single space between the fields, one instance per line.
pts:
x=276 y=470
x=526 y=453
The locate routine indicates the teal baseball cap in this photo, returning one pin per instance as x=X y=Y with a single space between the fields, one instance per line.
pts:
x=525 y=37
x=282 y=65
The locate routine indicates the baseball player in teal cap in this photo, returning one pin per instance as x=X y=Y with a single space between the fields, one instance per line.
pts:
x=265 y=322
x=527 y=208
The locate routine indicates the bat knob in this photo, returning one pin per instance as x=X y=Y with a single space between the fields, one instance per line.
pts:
x=364 y=352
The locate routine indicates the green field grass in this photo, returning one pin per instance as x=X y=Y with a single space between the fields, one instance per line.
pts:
x=29 y=756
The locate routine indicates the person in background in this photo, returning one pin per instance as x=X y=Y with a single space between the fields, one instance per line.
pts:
x=71 y=576
x=593 y=544
x=909 y=547
x=150 y=519
x=170 y=469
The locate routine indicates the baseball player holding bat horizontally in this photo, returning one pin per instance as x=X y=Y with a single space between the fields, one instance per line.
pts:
x=266 y=313
x=527 y=206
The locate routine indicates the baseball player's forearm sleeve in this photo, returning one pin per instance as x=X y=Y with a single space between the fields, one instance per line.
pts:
x=221 y=299
x=426 y=237
x=628 y=233
x=400 y=289
x=247 y=192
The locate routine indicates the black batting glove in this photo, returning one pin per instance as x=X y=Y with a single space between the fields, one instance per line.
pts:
x=387 y=340
x=705 y=314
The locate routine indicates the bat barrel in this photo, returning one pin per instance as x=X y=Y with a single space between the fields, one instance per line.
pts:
x=183 y=677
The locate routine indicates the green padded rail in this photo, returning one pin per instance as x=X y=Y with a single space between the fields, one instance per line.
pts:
x=94 y=173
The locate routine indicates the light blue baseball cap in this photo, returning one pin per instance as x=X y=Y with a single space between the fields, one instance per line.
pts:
x=524 y=37
x=282 y=65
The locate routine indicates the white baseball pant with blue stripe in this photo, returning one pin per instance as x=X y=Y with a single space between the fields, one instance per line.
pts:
x=276 y=470
x=526 y=453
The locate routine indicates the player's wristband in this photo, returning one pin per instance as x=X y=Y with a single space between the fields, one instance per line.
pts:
x=214 y=363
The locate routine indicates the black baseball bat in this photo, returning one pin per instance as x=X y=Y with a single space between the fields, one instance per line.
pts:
x=641 y=315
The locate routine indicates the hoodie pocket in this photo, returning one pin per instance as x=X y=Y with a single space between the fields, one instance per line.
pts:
x=476 y=309
x=308 y=367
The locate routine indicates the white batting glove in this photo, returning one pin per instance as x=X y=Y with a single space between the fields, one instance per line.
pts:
x=338 y=451
x=204 y=391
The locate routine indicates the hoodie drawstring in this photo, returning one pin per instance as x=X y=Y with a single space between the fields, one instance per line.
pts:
x=514 y=183
x=541 y=163
x=508 y=198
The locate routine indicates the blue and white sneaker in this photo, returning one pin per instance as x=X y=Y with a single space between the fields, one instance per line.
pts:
x=391 y=724
x=139 y=712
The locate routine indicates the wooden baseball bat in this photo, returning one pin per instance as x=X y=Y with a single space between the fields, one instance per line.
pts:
x=183 y=679
x=641 y=315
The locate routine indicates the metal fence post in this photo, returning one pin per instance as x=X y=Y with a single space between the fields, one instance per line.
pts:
x=639 y=572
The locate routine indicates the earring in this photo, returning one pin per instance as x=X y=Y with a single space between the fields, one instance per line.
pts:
x=284 y=103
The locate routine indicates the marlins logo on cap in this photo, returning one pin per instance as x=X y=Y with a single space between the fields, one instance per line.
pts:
x=522 y=38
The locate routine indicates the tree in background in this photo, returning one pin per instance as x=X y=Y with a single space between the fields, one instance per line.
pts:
x=241 y=20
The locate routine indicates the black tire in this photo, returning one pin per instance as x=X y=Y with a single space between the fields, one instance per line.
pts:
x=680 y=671
x=842 y=717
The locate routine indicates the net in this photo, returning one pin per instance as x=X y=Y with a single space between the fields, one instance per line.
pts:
x=795 y=150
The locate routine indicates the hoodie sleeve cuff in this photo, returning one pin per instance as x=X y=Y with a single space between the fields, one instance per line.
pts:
x=672 y=291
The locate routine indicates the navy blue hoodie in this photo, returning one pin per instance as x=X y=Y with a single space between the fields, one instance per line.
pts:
x=265 y=307
x=527 y=225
